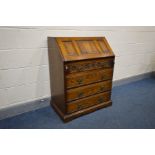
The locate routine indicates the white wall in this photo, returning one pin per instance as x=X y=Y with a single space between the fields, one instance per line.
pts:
x=24 y=74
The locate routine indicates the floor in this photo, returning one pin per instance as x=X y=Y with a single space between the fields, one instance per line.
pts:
x=133 y=107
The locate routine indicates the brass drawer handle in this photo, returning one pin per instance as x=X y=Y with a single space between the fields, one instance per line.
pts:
x=79 y=107
x=80 y=94
x=79 y=81
x=100 y=100
x=101 y=88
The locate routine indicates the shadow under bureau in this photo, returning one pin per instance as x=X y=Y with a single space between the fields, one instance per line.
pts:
x=81 y=71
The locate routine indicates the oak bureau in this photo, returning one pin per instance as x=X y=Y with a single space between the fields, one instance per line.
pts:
x=81 y=71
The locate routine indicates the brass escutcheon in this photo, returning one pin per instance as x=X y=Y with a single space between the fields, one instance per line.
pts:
x=101 y=88
x=80 y=94
x=80 y=81
x=100 y=100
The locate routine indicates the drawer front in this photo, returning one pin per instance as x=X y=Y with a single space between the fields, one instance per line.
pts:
x=88 y=102
x=84 y=91
x=80 y=66
x=79 y=79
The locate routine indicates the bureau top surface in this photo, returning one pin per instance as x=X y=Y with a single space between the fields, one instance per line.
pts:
x=80 y=48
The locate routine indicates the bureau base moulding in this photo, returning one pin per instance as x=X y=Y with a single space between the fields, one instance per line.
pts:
x=69 y=117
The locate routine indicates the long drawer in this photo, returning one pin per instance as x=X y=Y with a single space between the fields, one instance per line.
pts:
x=80 y=66
x=84 y=91
x=88 y=102
x=84 y=78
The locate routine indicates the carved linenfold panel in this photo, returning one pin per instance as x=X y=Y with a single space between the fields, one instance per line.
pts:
x=103 y=46
x=87 y=47
x=84 y=48
x=70 y=49
x=87 y=102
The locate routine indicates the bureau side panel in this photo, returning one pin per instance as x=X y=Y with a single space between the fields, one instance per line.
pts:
x=56 y=69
